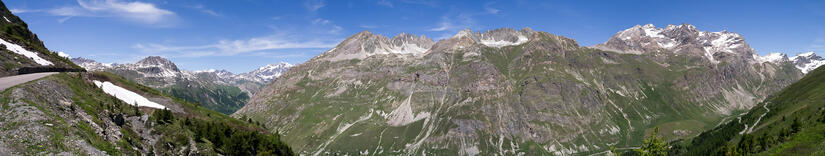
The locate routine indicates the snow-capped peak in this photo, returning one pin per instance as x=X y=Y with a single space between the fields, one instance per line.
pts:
x=771 y=57
x=205 y=71
x=464 y=33
x=156 y=66
x=805 y=54
x=267 y=73
x=684 y=38
x=504 y=37
x=807 y=62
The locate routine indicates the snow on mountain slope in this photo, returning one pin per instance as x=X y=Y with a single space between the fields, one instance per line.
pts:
x=771 y=57
x=22 y=51
x=684 y=38
x=267 y=73
x=366 y=44
x=501 y=43
x=90 y=64
x=127 y=96
x=807 y=62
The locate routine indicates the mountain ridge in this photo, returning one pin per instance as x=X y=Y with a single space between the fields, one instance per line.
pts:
x=521 y=92
x=218 y=90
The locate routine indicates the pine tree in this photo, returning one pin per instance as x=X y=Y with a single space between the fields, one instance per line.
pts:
x=653 y=145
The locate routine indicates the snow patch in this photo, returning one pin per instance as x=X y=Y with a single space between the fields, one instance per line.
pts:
x=772 y=57
x=22 y=51
x=651 y=31
x=502 y=43
x=463 y=33
x=7 y=19
x=62 y=54
x=811 y=66
x=127 y=96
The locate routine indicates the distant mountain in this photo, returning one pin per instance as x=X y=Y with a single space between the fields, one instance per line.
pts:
x=19 y=47
x=266 y=73
x=807 y=61
x=218 y=90
x=513 y=92
x=790 y=122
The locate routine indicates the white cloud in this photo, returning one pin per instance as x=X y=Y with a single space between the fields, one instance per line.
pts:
x=321 y=21
x=141 y=12
x=237 y=47
x=267 y=43
x=489 y=9
x=20 y=11
x=204 y=10
x=314 y=5
x=461 y=21
x=386 y=3
x=332 y=28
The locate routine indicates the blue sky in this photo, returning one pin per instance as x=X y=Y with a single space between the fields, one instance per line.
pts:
x=240 y=35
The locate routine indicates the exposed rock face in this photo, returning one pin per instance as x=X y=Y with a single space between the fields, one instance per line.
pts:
x=156 y=66
x=512 y=92
x=365 y=44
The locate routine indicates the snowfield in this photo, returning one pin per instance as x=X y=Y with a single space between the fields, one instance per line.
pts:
x=502 y=43
x=22 y=51
x=127 y=96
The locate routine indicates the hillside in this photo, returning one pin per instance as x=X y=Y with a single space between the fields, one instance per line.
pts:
x=790 y=122
x=513 y=92
x=217 y=90
x=68 y=114
x=19 y=47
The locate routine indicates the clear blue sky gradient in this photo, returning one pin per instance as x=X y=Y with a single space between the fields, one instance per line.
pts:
x=241 y=35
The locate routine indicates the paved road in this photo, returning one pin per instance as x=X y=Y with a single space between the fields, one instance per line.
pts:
x=6 y=82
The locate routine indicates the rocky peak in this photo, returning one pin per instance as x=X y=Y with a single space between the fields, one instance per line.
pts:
x=89 y=64
x=806 y=57
x=684 y=38
x=268 y=73
x=80 y=60
x=772 y=57
x=366 y=44
x=156 y=66
x=807 y=62
x=158 y=61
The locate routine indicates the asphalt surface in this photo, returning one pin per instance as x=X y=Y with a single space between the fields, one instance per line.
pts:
x=9 y=81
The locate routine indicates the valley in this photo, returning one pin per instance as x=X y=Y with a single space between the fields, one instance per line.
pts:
x=389 y=77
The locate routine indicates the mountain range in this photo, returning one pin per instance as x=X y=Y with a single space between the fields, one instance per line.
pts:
x=515 y=92
x=218 y=90
x=496 y=92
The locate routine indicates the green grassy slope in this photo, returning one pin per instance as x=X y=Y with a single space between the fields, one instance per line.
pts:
x=547 y=96
x=795 y=125
x=222 y=98
x=66 y=113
